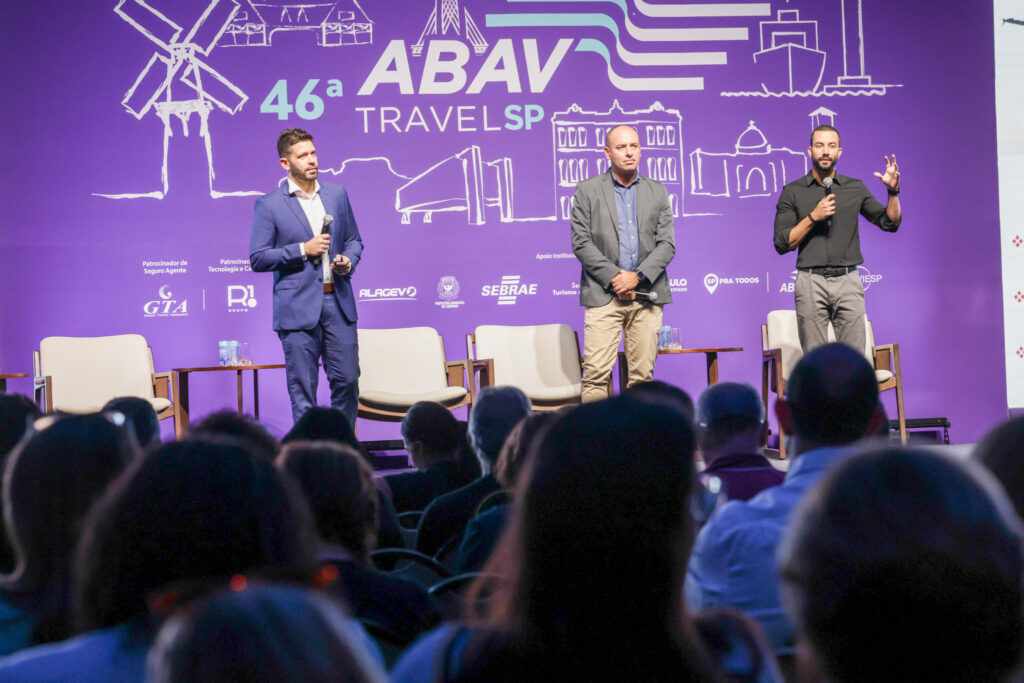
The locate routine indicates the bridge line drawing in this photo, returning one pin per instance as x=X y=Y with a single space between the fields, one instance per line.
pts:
x=333 y=23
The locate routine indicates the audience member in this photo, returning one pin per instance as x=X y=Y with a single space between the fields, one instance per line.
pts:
x=591 y=581
x=245 y=428
x=190 y=510
x=663 y=393
x=496 y=411
x=731 y=431
x=338 y=486
x=483 y=531
x=50 y=482
x=262 y=634
x=431 y=436
x=906 y=566
x=17 y=412
x=141 y=417
x=1001 y=451
x=831 y=402
x=320 y=423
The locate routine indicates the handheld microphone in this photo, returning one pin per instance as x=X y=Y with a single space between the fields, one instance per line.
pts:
x=646 y=296
x=827 y=182
x=325 y=229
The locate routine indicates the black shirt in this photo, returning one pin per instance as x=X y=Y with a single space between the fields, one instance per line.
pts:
x=824 y=246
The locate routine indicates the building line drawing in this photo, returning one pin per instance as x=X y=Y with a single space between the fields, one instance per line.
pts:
x=822 y=116
x=790 y=62
x=460 y=182
x=754 y=169
x=578 y=149
x=710 y=9
x=178 y=66
x=448 y=17
x=334 y=23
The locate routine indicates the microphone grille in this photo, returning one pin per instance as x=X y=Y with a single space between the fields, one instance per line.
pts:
x=827 y=182
x=328 y=219
x=654 y=296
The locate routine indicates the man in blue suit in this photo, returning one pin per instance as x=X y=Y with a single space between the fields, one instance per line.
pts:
x=314 y=307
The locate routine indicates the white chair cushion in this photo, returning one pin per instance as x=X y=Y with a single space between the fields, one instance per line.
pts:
x=401 y=363
x=783 y=333
x=541 y=360
x=89 y=371
x=445 y=396
x=883 y=376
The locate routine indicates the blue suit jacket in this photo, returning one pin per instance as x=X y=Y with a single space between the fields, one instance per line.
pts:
x=279 y=225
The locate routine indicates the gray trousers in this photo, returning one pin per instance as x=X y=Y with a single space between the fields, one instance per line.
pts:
x=821 y=300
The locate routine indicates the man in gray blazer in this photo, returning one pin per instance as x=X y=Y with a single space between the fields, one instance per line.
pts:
x=623 y=235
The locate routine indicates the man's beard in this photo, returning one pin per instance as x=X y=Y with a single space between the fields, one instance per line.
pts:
x=821 y=170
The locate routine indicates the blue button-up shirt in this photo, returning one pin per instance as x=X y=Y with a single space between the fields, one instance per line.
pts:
x=733 y=560
x=629 y=234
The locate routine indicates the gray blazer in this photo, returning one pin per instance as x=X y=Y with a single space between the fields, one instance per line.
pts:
x=595 y=237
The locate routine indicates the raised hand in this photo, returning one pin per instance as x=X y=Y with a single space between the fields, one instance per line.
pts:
x=891 y=178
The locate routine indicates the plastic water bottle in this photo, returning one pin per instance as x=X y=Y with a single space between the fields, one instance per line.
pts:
x=223 y=352
x=664 y=336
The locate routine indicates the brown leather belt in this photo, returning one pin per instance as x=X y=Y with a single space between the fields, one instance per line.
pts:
x=328 y=288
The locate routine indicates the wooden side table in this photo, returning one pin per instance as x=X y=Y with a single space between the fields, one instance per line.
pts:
x=6 y=376
x=181 y=391
x=710 y=355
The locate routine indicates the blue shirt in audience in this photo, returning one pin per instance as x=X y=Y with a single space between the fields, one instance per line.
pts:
x=733 y=560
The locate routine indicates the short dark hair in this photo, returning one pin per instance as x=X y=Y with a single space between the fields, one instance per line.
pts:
x=261 y=634
x=141 y=417
x=321 y=423
x=339 y=488
x=663 y=393
x=433 y=425
x=191 y=509
x=520 y=440
x=15 y=413
x=245 y=428
x=825 y=128
x=288 y=137
x=832 y=395
x=1000 y=452
x=906 y=565
x=495 y=412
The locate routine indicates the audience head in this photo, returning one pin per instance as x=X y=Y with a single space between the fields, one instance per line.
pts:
x=16 y=412
x=50 y=483
x=141 y=416
x=496 y=410
x=1001 y=451
x=338 y=486
x=199 y=508
x=656 y=391
x=730 y=412
x=831 y=398
x=244 y=428
x=431 y=434
x=584 y=561
x=906 y=566
x=520 y=440
x=323 y=424
x=270 y=634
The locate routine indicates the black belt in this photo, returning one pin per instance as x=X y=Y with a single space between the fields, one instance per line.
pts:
x=830 y=271
x=328 y=288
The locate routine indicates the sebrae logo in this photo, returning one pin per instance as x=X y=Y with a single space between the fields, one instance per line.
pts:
x=509 y=290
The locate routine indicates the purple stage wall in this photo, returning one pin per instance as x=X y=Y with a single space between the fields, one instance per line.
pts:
x=460 y=132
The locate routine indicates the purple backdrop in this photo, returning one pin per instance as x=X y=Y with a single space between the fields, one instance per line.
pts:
x=460 y=130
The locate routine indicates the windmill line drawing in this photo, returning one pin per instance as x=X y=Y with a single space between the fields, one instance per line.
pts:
x=179 y=66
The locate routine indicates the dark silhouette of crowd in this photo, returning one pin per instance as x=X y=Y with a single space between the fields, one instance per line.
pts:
x=645 y=537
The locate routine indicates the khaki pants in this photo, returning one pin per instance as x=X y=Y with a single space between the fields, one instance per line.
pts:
x=821 y=300
x=602 y=331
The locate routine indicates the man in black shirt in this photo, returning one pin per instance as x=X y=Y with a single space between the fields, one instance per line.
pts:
x=817 y=214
